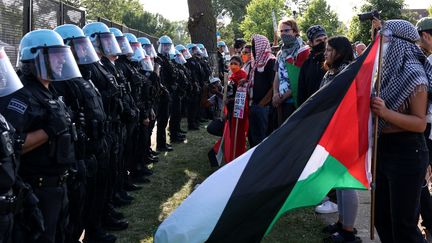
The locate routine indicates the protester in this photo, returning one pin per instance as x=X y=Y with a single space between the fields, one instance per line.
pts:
x=293 y=52
x=424 y=27
x=239 y=44
x=338 y=55
x=312 y=71
x=359 y=48
x=402 y=151
x=261 y=82
x=246 y=56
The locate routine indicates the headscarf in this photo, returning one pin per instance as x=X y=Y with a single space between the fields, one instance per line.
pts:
x=262 y=51
x=262 y=55
x=405 y=67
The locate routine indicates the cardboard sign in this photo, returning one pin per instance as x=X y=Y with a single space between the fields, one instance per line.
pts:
x=239 y=102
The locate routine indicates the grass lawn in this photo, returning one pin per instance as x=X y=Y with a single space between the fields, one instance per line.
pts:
x=174 y=178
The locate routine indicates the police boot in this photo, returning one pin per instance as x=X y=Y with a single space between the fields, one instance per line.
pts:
x=115 y=214
x=125 y=196
x=118 y=201
x=99 y=237
x=130 y=187
x=112 y=224
x=154 y=153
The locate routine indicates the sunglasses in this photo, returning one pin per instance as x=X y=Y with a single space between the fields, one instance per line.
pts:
x=285 y=30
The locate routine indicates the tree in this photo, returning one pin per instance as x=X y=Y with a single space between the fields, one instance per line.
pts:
x=391 y=9
x=152 y=24
x=110 y=9
x=258 y=19
x=235 y=10
x=430 y=11
x=319 y=12
x=202 y=27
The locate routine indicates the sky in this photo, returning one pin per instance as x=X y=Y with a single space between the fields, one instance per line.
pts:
x=177 y=9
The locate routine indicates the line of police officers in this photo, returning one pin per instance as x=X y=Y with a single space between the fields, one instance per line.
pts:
x=75 y=127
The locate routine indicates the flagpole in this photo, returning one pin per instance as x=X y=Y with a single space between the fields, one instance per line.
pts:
x=235 y=138
x=375 y=143
x=225 y=90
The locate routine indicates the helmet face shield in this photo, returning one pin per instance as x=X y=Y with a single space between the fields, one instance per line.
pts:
x=204 y=52
x=124 y=45
x=109 y=44
x=138 y=52
x=166 y=49
x=9 y=81
x=150 y=50
x=179 y=58
x=186 y=53
x=147 y=64
x=83 y=50
x=196 y=51
x=56 y=64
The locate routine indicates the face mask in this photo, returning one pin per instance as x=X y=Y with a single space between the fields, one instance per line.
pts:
x=245 y=58
x=288 y=40
x=320 y=47
x=234 y=68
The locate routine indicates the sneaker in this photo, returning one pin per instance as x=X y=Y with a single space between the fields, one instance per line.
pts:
x=327 y=207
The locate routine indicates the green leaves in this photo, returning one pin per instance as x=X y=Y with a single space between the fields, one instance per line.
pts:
x=258 y=19
x=319 y=12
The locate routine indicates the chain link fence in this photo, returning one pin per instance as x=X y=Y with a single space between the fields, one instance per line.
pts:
x=17 y=17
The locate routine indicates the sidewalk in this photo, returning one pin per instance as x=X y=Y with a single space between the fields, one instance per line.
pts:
x=363 y=218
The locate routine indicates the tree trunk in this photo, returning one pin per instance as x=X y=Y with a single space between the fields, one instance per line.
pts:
x=202 y=28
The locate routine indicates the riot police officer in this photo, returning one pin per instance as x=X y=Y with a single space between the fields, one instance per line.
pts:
x=86 y=103
x=9 y=83
x=168 y=76
x=183 y=84
x=197 y=75
x=41 y=118
x=142 y=87
x=152 y=73
x=105 y=45
x=118 y=66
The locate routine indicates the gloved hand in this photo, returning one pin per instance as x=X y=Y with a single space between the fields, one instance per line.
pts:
x=56 y=124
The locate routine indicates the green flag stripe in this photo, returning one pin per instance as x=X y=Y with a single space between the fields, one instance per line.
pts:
x=313 y=189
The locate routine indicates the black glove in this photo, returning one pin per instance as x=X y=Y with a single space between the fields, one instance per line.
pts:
x=56 y=124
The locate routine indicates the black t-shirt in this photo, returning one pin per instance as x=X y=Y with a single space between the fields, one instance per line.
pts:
x=263 y=81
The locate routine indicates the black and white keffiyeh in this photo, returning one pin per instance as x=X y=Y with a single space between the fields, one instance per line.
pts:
x=405 y=67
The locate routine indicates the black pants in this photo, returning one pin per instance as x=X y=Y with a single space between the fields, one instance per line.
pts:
x=193 y=110
x=53 y=203
x=175 y=119
x=284 y=111
x=6 y=224
x=401 y=166
x=97 y=187
x=426 y=199
x=162 y=121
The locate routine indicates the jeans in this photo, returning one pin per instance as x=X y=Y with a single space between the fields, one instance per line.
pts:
x=401 y=166
x=258 y=122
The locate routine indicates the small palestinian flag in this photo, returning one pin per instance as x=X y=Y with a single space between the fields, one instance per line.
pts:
x=325 y=144
x=293 y=68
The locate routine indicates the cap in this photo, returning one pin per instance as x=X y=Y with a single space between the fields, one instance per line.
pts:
x=424 y=24
x=315 y=31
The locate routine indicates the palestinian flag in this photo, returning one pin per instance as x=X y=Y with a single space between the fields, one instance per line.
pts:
x=325 y=144
x=293 y=68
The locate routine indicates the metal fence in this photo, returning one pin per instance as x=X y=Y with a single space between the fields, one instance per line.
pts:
x=17 y=17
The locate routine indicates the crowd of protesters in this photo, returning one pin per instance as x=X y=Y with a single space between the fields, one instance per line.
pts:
x=279 y=79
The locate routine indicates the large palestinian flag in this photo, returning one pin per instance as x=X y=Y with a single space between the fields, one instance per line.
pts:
x=325 y=144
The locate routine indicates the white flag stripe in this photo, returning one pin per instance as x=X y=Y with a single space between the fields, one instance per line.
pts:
x=207 y=203
x=315 y=162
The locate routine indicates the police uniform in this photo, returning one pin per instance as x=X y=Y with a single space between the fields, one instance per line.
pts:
x=45 y=167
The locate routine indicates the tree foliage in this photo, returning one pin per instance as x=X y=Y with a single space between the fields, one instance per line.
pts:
x=111 y=9
x=319 y=12
x=430 y=11
x=391 y=9
x=258 y=19
x=153 y=24
x=235 y=10
x=300 y=5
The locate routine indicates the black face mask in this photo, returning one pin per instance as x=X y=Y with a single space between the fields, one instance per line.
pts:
x=319 y=48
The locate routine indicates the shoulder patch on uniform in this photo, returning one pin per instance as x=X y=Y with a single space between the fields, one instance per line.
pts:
x=17 y=105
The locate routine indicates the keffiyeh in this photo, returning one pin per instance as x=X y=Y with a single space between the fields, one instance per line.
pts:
x=405 y=67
